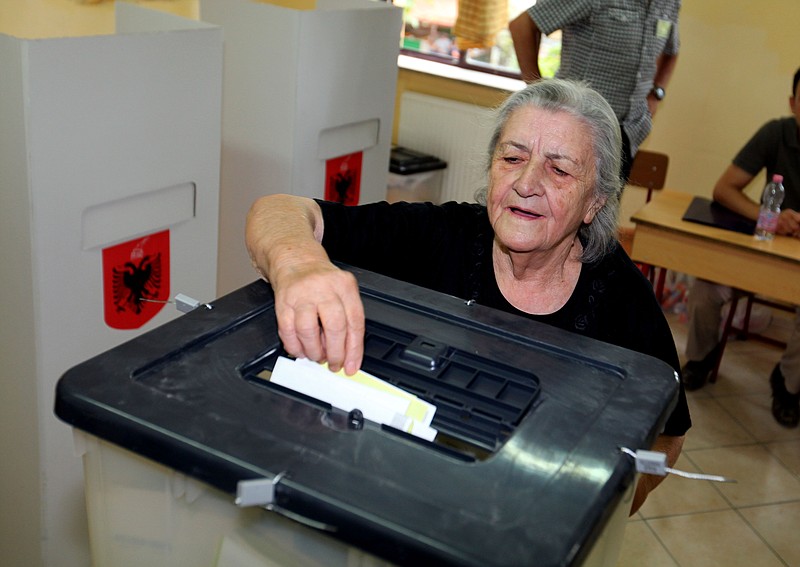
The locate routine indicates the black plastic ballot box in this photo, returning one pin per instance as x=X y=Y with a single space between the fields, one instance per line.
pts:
x=526 y=468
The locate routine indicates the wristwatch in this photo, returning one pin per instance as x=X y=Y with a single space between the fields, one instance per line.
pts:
x=658 y=92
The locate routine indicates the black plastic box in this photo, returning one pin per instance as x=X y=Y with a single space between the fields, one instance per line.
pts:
x=526 y=469
x=406 y=161
x=414 y=176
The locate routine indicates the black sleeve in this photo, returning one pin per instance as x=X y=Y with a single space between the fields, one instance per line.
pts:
x=640 y=325
x=420 y=243
x=432 y=246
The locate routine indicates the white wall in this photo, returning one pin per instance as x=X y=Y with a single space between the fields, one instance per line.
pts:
x=733 y=74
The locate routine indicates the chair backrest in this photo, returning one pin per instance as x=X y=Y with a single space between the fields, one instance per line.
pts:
x=649 y=170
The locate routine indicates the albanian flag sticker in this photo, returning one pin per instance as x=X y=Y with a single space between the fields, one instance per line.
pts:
x=343 y=178
x=133 y=273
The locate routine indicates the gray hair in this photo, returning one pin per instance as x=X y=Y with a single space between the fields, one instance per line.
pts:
x=577 y=99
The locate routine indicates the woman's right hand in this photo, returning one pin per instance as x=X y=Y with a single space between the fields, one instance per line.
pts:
x=320 y=314
x=318 y=306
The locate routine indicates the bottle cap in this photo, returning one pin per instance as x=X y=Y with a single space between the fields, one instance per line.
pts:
x=777 y=178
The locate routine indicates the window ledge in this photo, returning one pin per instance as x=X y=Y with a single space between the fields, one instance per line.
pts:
x=459 y=74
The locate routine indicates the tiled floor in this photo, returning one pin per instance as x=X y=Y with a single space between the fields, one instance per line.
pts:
x=754 y=522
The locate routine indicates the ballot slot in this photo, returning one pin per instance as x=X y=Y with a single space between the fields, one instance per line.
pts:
x=136 y=214
x=479 y=402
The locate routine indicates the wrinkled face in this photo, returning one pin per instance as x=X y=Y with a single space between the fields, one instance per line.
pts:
x=541 y=181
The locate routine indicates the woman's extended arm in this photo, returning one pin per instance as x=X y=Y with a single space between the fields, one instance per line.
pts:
x=318 y=307
x=668 y=444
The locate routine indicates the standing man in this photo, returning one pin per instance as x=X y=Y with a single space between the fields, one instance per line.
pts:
x=624 y=49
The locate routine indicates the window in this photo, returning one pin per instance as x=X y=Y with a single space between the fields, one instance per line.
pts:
x=427 y=33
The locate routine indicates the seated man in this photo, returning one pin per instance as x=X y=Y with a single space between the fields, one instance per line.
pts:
x=776 y=148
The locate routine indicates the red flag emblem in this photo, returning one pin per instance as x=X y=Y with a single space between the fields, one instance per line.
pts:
x=343 y=179
x=133 y=272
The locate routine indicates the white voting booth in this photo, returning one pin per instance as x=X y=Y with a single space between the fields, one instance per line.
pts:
x=308 y=107
x=109 y=172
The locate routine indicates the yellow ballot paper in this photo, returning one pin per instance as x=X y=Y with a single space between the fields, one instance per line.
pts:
x=378 y=400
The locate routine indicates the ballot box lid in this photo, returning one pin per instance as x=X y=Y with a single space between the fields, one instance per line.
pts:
x=526 y=468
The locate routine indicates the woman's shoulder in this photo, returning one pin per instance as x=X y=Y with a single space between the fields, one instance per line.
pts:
x=449 y=215
x=463 y=208
x=405 y=210
x=625 y=300
x=617 y=264
x=621 y=279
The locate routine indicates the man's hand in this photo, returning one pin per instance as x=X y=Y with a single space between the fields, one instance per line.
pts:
x=789 y=223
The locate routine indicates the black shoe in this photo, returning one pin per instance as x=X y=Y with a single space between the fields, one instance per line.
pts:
x=696 y=372
x=785 y=406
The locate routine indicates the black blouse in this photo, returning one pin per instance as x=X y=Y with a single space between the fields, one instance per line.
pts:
x=448 y=248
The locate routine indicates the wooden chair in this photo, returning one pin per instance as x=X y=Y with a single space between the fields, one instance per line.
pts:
x=743 y=332
x=649 y=171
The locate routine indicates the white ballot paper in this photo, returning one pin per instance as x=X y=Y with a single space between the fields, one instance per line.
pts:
x=378 y=400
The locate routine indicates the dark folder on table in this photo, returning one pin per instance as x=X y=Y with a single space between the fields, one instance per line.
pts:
x=705 y=211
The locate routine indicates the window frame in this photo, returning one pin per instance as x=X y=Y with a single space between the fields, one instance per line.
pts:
x=462 y=61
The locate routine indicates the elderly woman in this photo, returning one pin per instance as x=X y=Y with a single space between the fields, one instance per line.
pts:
x=543 y=246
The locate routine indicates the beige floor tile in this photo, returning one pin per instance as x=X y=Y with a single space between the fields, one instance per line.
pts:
x=745 y=365
x=734 y=435
x=713 y=539
x=745 y=369
x=788 y=452
x=712 y=425
x=641 y=547
x=702 y=394
x=778 y=524
x=761 y=477
x=677 y=495
x=754 y=413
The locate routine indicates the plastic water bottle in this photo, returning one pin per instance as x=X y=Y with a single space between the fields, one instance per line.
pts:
x=771 y=200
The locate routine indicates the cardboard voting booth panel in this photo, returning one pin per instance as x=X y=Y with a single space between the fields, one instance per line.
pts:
x=308 y=108
x=110 y=175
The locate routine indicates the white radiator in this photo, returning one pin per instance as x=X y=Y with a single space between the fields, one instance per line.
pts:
x=455 y=132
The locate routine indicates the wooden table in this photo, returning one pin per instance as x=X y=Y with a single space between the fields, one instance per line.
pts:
x=769 y=268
